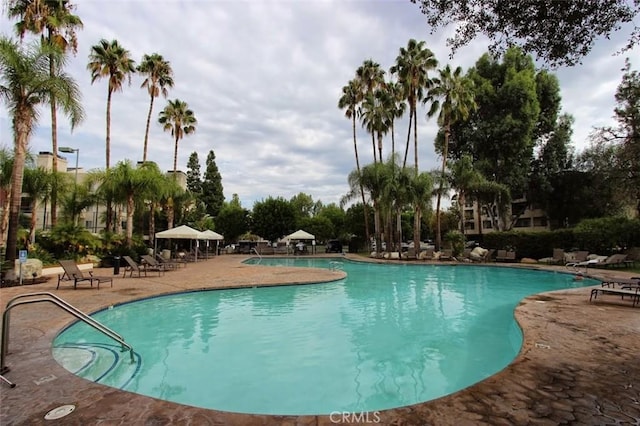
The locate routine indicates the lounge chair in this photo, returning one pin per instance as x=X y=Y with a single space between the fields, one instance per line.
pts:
x=633 y=294
x=72 y=272
x=616 y=260
x=446 y=254
x=576 y=257
x=132 y=267
x=149 y=262
x=623 y=283
x=427 y=254
x=557 y=258
x=506 y=256
x=172 y=263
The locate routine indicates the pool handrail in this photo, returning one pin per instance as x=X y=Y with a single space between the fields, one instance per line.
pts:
x=52 y=298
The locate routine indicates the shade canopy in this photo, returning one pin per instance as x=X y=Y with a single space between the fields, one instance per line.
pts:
x=300 y=235
x=180 y=232
x=210 y=235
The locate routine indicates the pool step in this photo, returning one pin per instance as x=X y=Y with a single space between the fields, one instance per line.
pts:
x=98 y=362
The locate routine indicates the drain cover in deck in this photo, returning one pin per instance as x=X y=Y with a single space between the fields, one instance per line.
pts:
x=60 y=412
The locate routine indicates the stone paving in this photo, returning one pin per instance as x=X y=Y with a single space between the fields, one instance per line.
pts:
x=579 y=364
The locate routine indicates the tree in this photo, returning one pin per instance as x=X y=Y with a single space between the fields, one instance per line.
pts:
x=6 y=167
x=273 y=218
x=412 y=66
x=349 y=102
x=394 y=100
x=463 y=179
x=37 y=185
x=626 y=136
x=558 y=32
x=55 y=21
x=376 y=117
x=110 y=60
x=25 y=84
x=179 y=120
x=500 y=134
x=303 y=205
x=369 y=77
x=337 y=217
x=194 y=179
x=451 y=96
x=555 y=157
x=159 y=77
x=233 y=220
x=212 y=193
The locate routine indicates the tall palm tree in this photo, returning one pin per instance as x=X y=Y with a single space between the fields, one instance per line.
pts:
x=179 y=120
x=369 y=76
x=452 y=96
x=349 y=102
x=376 y=116
x=25 y=83
x=55 y=21
x=110 y=60
x=412 y=67
x=159 y=77
x=394 y=101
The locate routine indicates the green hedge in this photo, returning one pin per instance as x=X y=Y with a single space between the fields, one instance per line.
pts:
x=602 y=236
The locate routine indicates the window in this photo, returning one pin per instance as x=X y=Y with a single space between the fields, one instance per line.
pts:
x=88 y=224
x=468 y=203
x=470 y=225
x=486 y=224
x=523 y=222
x=468 y=214
x=540 y=221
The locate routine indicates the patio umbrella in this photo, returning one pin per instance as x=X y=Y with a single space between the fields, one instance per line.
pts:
x=182 y=232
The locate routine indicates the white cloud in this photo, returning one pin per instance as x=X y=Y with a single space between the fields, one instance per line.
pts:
x=264 y=78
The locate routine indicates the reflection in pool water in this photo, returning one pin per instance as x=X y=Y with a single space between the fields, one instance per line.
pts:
x=386 y=336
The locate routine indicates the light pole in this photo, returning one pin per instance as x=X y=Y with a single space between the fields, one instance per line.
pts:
x=69 y=150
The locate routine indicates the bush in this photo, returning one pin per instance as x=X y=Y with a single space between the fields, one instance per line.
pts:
x=455 y=239
x=602 y=236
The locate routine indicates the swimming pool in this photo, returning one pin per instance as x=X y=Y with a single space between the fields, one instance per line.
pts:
x=386 y=336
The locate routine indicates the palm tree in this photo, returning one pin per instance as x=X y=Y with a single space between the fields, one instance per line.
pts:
x=54 y=17
x=420 y=190
x=412 y=67
x=172 y=195
x=394 y=102
x=134 y=183
x=464 y=177
x=452 y=96
x=6 y=166
x=25 y=83
x=159 y=78
x=37 y=184
x=109 y=59
x=349 y=102
x=178 y=119
x=375 y=177
x=369 y=76
x=376 y=117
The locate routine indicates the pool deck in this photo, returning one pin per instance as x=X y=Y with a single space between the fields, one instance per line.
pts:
x=579 y=364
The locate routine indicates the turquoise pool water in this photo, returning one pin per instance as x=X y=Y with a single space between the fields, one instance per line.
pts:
x=384 y=337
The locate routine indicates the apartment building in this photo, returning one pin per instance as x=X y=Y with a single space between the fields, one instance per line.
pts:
x=531 y=220
x=91 y=218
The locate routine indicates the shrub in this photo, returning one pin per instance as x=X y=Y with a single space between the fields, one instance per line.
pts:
x=455 y=239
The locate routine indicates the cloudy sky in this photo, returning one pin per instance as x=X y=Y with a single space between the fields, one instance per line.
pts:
x=263 y=78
